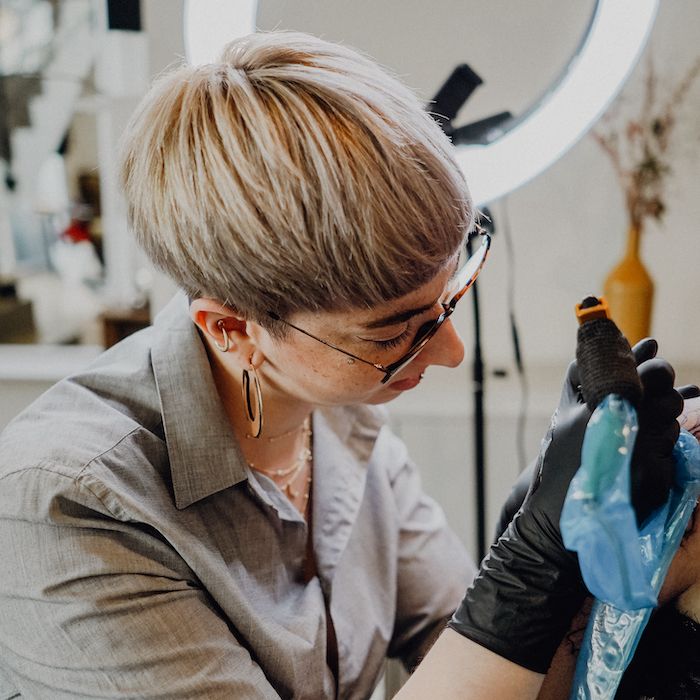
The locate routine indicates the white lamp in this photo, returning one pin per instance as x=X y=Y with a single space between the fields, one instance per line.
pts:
x=613 y=42
x=611 y=46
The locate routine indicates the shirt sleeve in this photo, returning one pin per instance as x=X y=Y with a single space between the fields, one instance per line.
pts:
x=434 y=568
x=92 y=607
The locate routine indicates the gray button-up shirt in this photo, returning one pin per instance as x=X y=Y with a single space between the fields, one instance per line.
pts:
x=141 y=558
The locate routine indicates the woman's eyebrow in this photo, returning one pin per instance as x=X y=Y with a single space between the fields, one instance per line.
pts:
x=402 y=316
x=399 y=317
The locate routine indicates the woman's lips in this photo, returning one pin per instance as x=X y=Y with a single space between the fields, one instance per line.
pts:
x=406 y=384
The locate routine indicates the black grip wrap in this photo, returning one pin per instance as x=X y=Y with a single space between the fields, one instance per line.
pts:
x=606 y=363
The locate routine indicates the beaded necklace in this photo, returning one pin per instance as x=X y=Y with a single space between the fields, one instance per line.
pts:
x=291 y=473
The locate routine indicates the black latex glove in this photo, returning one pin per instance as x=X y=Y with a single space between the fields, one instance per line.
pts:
x=652 y=467
x=515 y=499
x=649 y=485
x=529 y=586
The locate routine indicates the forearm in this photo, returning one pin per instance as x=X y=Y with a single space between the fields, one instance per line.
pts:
x=559 y=678
x=425 y=644
x=458 y=669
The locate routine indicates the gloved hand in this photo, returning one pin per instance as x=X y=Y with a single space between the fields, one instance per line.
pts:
x=529 y=586
x=649 y=486
x=652 y=467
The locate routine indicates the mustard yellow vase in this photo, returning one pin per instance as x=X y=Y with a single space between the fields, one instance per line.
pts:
x=629 y=291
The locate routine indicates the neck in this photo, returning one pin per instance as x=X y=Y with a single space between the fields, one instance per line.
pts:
x=284 y=416
x=282 y=452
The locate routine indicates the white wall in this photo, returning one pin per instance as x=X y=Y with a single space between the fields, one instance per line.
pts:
x=569 y=226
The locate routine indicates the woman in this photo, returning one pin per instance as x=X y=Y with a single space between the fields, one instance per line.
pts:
x=215 y=508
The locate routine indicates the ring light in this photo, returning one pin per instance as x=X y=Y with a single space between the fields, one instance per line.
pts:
x=611 y=46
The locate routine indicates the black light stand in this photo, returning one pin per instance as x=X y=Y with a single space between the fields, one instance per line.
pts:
x=454 y=92
x=478 y=397
x=479 y=426
x=444 y=107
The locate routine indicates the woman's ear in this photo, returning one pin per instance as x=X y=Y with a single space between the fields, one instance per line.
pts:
x=223 y=327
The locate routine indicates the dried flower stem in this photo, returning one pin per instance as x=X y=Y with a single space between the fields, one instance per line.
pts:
x=638 y=150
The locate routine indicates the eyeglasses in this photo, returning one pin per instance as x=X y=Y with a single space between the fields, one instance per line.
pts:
x=463 y=279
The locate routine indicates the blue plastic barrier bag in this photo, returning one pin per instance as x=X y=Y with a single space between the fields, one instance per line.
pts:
x=623 y=567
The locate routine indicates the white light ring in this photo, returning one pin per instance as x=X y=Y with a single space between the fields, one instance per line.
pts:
x=610 y=49
x=613 y=42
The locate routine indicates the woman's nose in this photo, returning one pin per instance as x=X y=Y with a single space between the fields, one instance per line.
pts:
x=446 y=348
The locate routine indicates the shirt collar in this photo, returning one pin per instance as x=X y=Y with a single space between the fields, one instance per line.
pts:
x=204 y=455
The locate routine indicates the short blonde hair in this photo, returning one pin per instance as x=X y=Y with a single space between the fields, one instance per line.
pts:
x=294 y=174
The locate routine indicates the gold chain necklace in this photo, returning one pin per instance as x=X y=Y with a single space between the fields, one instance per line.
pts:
x=295 y=469
x=292 y=431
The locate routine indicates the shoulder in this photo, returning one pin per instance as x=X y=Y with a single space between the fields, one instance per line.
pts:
x=111 y=407
x=114 y=404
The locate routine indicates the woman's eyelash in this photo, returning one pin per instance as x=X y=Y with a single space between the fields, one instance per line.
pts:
x=392 y=342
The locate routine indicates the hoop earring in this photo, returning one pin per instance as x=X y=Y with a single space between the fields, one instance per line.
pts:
x=226 y=345
x=253 y=406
